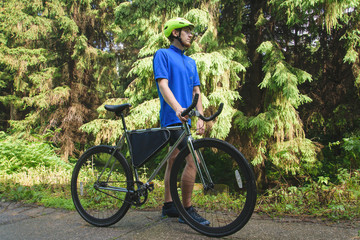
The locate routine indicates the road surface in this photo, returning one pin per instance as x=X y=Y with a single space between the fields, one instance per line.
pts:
x=22 y=221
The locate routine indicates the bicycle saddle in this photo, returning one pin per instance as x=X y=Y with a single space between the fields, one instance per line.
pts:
x=117 y=108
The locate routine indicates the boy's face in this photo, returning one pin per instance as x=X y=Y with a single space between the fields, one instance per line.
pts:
x=186 y=36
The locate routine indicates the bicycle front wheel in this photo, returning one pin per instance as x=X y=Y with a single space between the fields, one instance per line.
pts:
x=221 y=189
x=98 y=186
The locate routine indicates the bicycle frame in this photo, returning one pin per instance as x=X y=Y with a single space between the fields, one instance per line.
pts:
x=102 y=196
x=195 y=155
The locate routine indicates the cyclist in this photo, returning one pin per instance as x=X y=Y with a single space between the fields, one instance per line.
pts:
x=177 y=80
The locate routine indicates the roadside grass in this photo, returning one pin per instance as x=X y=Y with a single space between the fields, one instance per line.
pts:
x=32 y=172
x=320 y=199
x=50 y=187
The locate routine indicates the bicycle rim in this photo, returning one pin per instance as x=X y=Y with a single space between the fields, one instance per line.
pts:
x=229 y=203
x=97 y=206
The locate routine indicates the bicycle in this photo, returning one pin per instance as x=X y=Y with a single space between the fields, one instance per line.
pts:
x=104 y=186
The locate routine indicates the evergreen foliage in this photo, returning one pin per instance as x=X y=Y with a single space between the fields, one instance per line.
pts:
x=56 y=65
x=18 y=155
x=278 y=131
x=287 y=71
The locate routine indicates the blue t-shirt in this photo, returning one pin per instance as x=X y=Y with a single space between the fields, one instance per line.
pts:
x=181 y=72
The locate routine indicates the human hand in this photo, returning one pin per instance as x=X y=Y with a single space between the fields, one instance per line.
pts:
x=200 y=127
x=178 y=114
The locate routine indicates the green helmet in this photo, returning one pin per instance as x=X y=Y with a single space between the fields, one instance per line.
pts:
x=176 y=23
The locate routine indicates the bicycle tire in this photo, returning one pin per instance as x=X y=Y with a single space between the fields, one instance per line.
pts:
x=101 y=208
x=229 y=204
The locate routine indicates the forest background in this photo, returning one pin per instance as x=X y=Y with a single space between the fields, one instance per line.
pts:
x=287 y=71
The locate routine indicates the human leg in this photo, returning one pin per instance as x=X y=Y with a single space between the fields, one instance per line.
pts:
x=187 y=181
x=170 y=162
x=187 y=186
x=169 y=208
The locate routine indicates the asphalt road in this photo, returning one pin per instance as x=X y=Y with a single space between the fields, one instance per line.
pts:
x=21 y=221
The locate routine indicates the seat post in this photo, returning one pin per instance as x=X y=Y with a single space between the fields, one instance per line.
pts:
x=123 y=121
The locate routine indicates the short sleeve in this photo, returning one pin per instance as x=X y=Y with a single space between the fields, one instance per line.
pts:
x=196 y=78
x=160 y=65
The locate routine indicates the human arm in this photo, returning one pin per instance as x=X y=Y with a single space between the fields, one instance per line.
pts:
x=200 y=126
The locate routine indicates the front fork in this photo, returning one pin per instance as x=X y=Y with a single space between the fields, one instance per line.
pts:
x=199 y=162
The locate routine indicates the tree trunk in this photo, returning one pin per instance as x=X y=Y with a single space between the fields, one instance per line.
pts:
x=252 y=95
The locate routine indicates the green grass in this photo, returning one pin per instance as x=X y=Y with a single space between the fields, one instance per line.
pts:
x=48 y=187
x=320 y=198
x=51 y=188
x=32 y=172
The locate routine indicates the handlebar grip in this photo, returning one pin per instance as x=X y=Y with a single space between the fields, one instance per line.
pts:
x=193 y=104
x=207 y=119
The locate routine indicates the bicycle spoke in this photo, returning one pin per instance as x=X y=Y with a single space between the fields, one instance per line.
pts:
x=94 y=186
x=222 y=189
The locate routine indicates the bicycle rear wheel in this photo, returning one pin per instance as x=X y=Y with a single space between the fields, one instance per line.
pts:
x=227 y=199
x=98 y=206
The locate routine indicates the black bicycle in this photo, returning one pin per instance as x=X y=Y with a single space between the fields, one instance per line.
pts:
x=222 y=187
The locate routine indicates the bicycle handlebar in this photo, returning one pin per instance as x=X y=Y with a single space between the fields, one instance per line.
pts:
x=192 y=106
x=212 y=117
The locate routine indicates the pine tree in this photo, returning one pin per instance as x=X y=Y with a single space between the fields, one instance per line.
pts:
x=308 y=36
x=56 y=65
x=278 y=132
